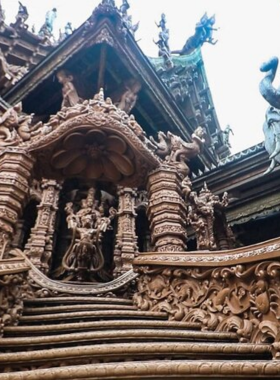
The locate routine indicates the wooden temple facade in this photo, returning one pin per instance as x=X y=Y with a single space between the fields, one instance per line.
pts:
x=132 y=244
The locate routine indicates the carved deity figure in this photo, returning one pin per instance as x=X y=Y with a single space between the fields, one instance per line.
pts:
x=84 y=258
x=206 y=216
x=130 y=96
x=124 y=7
x=46 y=30
x=50 y=18
x=163 y=42
x=226 y=135
x=21 y=17
x=69 y=92
x=271 y=127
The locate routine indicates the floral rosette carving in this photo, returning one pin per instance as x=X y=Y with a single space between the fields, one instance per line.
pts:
x=244 y=298
x=94 y=155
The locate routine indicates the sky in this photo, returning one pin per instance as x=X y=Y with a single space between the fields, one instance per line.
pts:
x=248 y=35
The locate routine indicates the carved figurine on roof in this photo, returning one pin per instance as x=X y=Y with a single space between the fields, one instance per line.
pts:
x=21 y=17
x=207 y=217
x=271 y=127
x=46 y=31
x=84 y=260
x=68 y=30
x=203 y=33
x=163 y=42
x=127 y=19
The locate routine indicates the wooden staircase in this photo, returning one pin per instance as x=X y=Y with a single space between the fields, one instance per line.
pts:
x=108 y=338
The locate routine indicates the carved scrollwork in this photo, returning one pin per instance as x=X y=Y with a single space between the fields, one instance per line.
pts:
x=242 y=298
x=12 y=287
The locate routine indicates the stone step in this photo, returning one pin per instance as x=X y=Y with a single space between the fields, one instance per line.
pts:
x=156 y=369
x=75 y=300
x=96 y=325
x=116 y=335
x=64 y=308
x=133 y=351
x=98 y=314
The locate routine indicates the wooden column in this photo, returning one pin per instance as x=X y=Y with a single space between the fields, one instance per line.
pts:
x=15 y=171
x=40 y=244
x=166 y=210
x=126 y=239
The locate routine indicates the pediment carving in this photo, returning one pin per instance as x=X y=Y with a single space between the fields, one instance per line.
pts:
x=94 y=140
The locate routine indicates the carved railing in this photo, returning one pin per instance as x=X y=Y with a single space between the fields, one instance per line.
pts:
x=236 y=290
x=13 y=285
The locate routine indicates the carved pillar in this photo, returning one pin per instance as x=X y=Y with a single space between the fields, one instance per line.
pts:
x=15 y=171
x=126 y=239
x=166 y=210
x=40 y=244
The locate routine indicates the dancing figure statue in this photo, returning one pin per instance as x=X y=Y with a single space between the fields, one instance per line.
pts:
x=84 y=258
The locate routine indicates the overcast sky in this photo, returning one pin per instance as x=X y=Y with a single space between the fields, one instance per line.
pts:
x=249 y=32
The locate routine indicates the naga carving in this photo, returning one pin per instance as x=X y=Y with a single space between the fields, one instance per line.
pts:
x=84 y=258
x=203 y=33
x=176 y=152
x=271 y=127
x=243 y=298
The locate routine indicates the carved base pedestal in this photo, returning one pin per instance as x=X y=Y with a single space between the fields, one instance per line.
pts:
x=166 y=210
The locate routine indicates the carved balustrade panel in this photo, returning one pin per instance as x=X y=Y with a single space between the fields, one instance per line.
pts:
x=239 y=293
x=13 y=285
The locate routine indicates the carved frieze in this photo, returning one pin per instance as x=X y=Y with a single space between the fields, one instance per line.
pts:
x=243 y=298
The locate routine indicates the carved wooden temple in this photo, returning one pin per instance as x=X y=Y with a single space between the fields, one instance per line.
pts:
x=132 y=244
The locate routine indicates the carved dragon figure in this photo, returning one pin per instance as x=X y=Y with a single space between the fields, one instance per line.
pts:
x=271 y=127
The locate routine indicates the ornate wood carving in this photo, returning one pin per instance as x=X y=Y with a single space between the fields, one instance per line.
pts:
x=126 y=239
x=40 y=244
x=13 y=273
x=207 y=217
x=15 y=171
x=243 y=297
x=84 y=260
x=166 y=210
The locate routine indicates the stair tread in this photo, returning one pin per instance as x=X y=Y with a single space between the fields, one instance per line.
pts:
x=155 y=369
x=61 y=308
x=139 y=348
x=138 y=334
x=136 y=324
x=75 y=299
x=92 y=314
